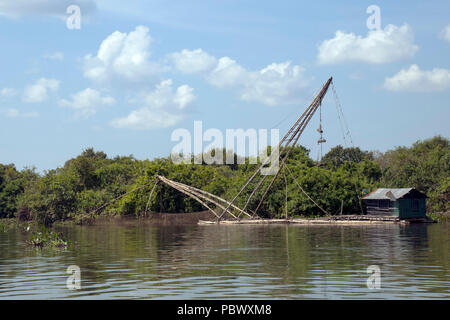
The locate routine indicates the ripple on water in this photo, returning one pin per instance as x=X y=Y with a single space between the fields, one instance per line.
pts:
x=255 y=262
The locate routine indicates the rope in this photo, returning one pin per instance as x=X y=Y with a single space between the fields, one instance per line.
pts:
x=150 y=197
x=295 y=127
x=343 y=123
x=300 y=187
x=121 y=196
x=344 y=126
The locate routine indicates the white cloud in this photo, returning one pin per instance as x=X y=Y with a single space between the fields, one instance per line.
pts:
x=414 y=79
x=445 y=33
x=146 y=118
x=57 y=8
x=15 y=113
x=161 y=108
x=87 y=101
x=54 y=56
x=277 y=83
x=184 y=96
x=193 y=61
x=228 y=73
x=8 y=92
x=38 y=92
x=126 y=56
x=379 y=46
x=122 y=55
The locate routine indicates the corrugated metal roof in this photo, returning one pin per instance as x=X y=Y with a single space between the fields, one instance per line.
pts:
x=385 y=193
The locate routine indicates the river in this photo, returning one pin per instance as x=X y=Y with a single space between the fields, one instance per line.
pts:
x=231 y=262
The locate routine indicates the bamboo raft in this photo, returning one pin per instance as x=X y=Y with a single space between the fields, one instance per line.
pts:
x=341 y=219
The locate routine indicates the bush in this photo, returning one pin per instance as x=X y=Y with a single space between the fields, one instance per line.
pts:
x=91 y=180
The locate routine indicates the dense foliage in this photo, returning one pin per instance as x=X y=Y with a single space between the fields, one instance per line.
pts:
x=91 y=180
x=425 y=166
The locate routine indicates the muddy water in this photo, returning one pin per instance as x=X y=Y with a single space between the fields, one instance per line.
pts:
x=245 y=262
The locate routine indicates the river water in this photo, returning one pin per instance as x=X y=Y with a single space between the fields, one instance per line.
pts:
x=231 y=262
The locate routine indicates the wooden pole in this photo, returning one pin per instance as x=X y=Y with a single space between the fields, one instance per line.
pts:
x=291 y=129
x=298 y=132
x=295 y=136
x=211 y=195
x=191 y=191
x=190 y=195
x=150 y=197
x=178 y=186
x=119 y=197
x=285 y=179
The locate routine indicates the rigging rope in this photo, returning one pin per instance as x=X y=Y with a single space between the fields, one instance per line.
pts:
x=300 y=187
x=344 y=126
x=345 y=130
x=121 y=196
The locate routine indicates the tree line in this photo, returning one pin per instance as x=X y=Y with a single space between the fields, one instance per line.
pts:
x=340 y=178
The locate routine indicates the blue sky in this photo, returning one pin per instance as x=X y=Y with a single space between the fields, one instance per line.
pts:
x=135 y=72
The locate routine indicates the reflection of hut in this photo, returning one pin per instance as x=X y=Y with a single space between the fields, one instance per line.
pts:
x=403 y=203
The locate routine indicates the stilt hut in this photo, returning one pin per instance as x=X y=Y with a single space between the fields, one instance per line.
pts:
x=404 y=203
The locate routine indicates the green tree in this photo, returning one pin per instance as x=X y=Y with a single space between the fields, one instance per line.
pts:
x=338 y=155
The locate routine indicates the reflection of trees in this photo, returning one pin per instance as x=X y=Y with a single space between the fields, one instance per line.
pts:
x=150 y=254
x=290 y=260
x=112 y=252
x=439 y=244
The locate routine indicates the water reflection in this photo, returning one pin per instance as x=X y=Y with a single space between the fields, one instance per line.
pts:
x=204 y=262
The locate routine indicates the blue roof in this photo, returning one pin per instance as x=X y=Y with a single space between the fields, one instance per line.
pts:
x=387 y=193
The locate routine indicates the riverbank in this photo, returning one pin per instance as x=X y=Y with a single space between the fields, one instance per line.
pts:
x=440 y=216
x=342 y=219
x=151 y=219
x=207 y=218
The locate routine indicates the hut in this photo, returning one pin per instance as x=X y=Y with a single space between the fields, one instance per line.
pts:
x=404 y=203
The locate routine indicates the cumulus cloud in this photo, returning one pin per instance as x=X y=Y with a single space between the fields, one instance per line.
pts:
x=57 y=8
x=161 y=108
x=379 y=46
x=184 y=96
x=193 y=61
x=126 y=56
x=228 y=73
x=8 y=92
x=38 y=92
x=445 y=33
x=146 y=118
x=122 y=55
x=414 y=79
x=277 y=83
x=87 y=101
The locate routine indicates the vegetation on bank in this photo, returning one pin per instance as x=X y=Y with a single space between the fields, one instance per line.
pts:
x=6 y=224
x=48 y=238
x=38 y=235
x=440 y=216
x=91 y=180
